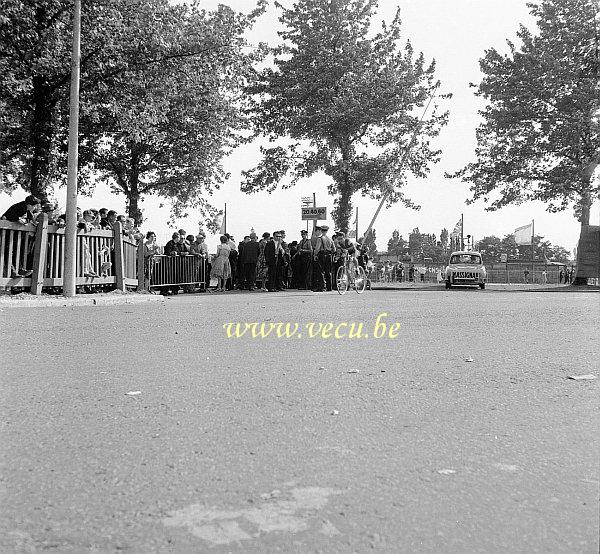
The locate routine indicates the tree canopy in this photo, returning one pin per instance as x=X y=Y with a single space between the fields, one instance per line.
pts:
x=344 y=98
x=160 y=102
x=539 y=139
x=163 y=128
x=35 y=70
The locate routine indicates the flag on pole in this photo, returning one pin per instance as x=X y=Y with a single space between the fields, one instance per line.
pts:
x=223 y=228
x=457 y=232
x=523 y=234
x=457 y=228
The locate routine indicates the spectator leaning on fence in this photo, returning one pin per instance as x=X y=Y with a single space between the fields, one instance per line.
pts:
x=174 y=246
x=24 y=211
x=109 y=221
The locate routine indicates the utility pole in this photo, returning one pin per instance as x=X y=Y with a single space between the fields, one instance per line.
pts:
x=532 y=250
x=70 y=268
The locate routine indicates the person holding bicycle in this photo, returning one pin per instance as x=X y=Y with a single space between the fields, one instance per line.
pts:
x=346 y=246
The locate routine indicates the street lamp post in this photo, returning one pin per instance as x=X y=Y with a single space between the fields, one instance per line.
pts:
x=70 y=264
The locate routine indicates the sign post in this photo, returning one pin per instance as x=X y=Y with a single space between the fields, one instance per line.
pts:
x=306 y=201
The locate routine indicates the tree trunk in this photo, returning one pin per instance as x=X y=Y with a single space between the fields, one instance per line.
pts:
x=133 y=209
x=41 y=139
x=133 y=193
x=343 y=209
x=586 y=203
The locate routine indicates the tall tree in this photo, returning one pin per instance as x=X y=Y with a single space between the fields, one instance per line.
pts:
x=344 y=99
x=540 y=137
x=396 y=244
x=163 y=128
x=444 y=238
x=369 y=243
x=35 y=51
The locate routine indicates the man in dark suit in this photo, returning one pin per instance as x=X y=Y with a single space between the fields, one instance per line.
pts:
x=247 y=259
x=304 y=255
x=239 y=274
x=322 y=255
x=272 y=257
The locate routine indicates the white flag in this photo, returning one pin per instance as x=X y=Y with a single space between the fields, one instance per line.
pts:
x=457 y=232
x=222 y=229
x=523 y=234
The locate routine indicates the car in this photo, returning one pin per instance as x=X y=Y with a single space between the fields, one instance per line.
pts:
x=465 y=268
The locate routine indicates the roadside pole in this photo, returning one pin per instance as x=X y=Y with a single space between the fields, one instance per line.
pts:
x=314 y=206
x=532 y=256
x=69 y=280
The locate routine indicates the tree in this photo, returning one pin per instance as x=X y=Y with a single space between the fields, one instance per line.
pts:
x=344 y=99
x=415 y=243
x=540 y=139
x=35 y=71
x=396 y=244
x=163 y=128
x=138 y=60
x=444 y=239
x=490 y=248
x=369 y=243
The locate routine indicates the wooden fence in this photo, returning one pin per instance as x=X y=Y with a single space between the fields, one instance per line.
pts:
x=106 y=258
x=103 y=257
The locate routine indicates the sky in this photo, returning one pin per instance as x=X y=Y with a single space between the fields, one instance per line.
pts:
x=455 y=33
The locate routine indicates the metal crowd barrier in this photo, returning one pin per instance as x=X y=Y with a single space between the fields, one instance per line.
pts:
x=169 y=271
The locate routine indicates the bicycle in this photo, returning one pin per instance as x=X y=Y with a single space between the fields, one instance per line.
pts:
x=348 y=276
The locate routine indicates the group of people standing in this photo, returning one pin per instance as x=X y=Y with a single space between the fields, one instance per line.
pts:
x=271 y=264
x=568 y=275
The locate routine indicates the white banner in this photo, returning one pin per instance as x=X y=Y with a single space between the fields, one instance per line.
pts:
x=523 y=234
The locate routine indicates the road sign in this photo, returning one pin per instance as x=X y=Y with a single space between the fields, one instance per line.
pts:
x=314 y=213
x=306 y=200
x=503 y=258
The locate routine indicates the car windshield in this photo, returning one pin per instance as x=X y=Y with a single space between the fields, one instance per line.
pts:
x=474 y=259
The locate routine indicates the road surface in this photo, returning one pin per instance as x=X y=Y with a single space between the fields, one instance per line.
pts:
x=461 y=434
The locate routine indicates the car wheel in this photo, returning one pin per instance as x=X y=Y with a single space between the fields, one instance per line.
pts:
x=448 y=285
x=481 y=286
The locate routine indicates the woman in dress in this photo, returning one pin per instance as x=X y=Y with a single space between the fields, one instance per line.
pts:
x=151 y=249
x=221 y=269
x=261 y=264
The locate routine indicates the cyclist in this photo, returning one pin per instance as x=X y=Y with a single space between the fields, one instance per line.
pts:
x=345 y=245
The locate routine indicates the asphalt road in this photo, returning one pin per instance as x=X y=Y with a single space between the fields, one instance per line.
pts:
x=278 y=445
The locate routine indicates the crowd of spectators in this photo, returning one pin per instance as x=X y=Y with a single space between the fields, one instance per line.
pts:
x=30 y=210
x=265 y=264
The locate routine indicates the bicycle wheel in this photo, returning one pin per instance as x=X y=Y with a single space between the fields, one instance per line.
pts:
x=360 y=281
x=341 y=280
